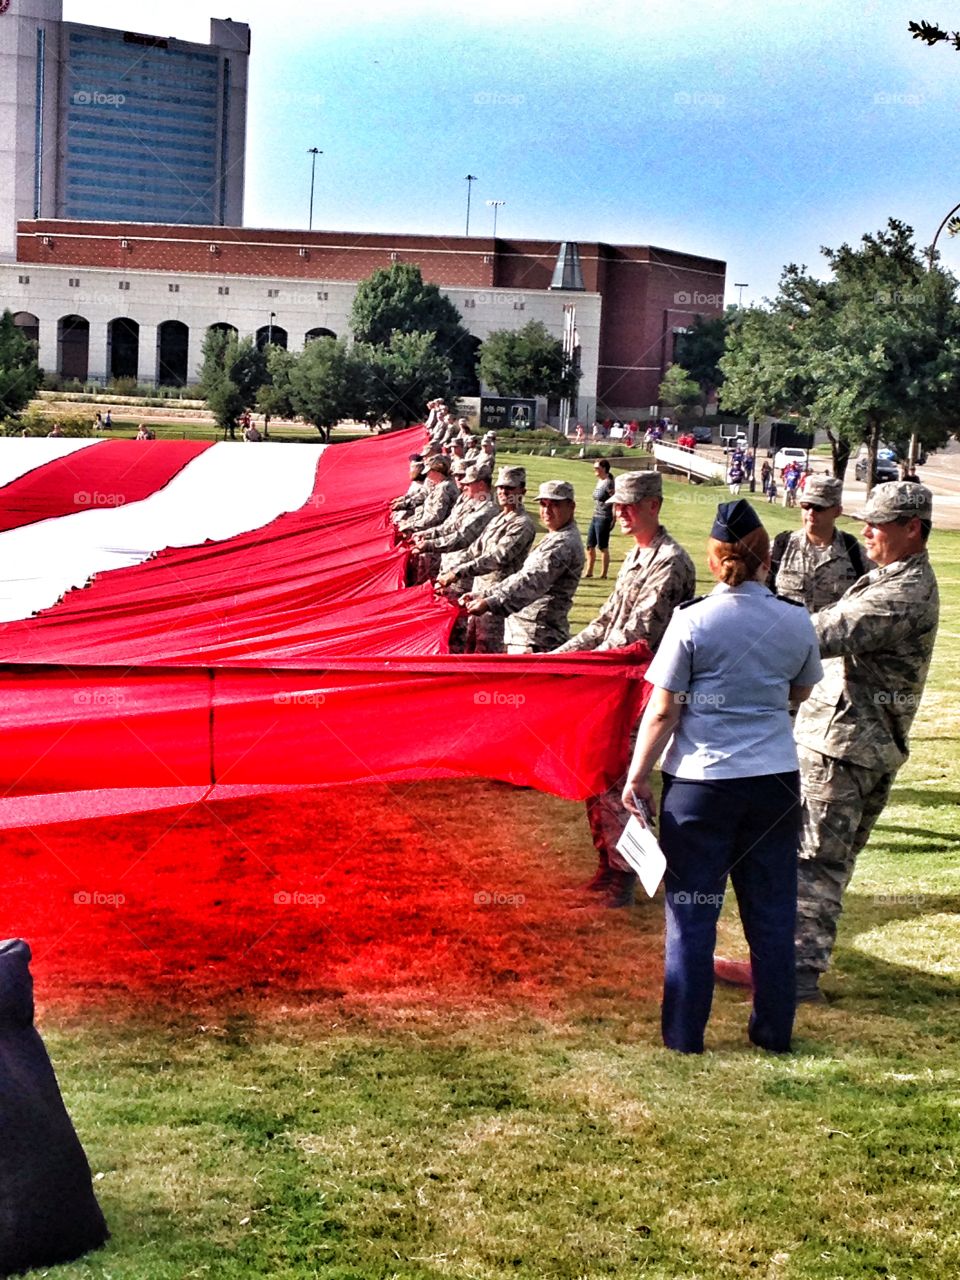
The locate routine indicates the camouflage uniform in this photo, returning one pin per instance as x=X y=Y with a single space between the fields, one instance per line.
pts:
x=411 y=500
x=852 y=732
x=536 y=599
x=499 y=552
x=651 y=583
x=816 y=576
x=484 y=463
x=437 y=505
x=464 y=524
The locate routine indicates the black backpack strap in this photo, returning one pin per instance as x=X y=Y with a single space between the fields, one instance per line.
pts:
x=855 y=553
x=777 y=548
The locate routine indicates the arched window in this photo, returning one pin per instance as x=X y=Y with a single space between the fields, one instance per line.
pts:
x=173 y=345
x=73 y=347
x=312 y=334
x=123 y=347
x=221 y=326
x=271 y=335
x=28 y=324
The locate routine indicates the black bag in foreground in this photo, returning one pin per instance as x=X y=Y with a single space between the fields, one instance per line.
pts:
x=48 y=1212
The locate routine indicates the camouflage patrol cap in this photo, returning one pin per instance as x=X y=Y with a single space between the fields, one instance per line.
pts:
x=437 y=462
x=556 y=491
x=822 y=491
x=512 y=478
x=896 y=499
x=473 y=475
x=634 y=486
x=458 y=466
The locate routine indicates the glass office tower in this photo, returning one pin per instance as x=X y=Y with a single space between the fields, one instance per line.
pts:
x=116 y=125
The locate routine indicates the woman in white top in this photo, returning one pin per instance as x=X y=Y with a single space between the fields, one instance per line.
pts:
x=724 y=676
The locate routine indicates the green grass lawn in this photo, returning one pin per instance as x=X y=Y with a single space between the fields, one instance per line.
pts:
x=529 y=1124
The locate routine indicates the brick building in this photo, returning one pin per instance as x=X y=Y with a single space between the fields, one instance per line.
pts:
x=109 y=299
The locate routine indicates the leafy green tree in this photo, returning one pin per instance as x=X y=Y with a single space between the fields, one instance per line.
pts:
x=399 y=378
x=872 y=354
x=527 y=362
x=273 y=398
x=701 y=349
x=678 y=391
x=20 y=375
x=397 y=300
x=326 y=383
x=232 y=373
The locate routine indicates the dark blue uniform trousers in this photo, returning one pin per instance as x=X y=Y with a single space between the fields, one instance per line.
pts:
x=747 y=829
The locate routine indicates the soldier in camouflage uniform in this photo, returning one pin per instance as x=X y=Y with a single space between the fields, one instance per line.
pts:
x=815 y=565
x=486 y=459
x=441 y=494
x=499 y=552
x=536 y=599
x=469 y=517
x=851 y=733
x=656 y=576
x=416 y=491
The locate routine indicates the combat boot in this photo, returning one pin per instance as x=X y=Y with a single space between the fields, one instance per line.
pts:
x=808 y=987
x=601 y=877
x=619 y=891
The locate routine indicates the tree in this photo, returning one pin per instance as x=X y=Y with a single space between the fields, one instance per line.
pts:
x=527 y=362
x=273 y=397
x=233 y=372
x=399 y=378
x=678 y=391
x=396 y=300
x=931 y=34
x=20 y=375
x=326 y=383
x=701 y=349
x=871 y=354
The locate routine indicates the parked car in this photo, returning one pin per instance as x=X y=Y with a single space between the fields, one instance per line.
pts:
x=702 y=435
x=733 y=440
x=790 y=453
x=885 y=470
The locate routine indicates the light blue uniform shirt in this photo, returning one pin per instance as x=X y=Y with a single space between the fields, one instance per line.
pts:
x=734 y=655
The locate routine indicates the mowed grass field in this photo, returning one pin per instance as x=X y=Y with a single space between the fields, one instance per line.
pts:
x=449 y=1069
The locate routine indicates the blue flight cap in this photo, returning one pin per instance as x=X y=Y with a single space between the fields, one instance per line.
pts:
x=734 y=519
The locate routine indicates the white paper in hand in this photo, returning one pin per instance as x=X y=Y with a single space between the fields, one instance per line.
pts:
x=641 y=849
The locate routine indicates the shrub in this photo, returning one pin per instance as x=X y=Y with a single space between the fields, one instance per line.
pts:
x=35 y=423
x=122 y=387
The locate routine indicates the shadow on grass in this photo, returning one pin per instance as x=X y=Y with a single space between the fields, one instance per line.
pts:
x=920 y=840
x=926 y=798
x=905 y=987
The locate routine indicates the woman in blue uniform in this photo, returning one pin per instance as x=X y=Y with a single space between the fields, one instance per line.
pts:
x=727 y=670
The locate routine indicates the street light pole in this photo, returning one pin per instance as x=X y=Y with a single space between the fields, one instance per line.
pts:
x=313 y=152
x=496 y=206
x=741 y=287
x=273 y=316
x=931 y=252
x=470 y=180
